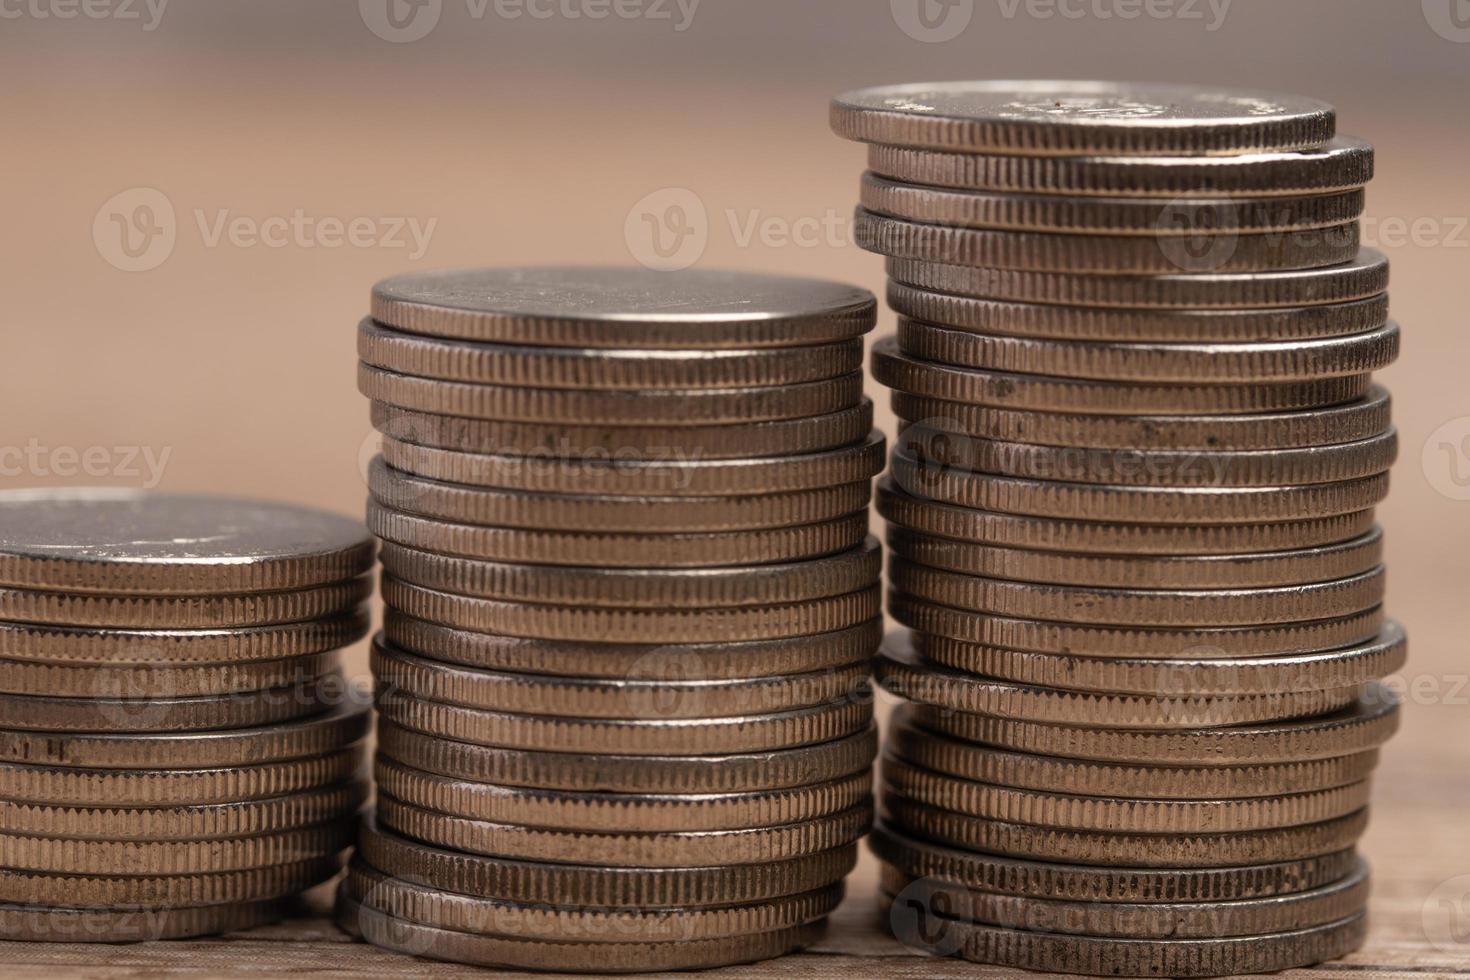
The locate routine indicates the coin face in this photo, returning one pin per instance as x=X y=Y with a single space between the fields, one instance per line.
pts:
x=624 y=307
x=129 y=542
x=1069 y=117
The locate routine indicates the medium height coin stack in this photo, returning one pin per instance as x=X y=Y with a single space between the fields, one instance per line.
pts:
x=179 y=755
x=1130 y=516
x=631 y=610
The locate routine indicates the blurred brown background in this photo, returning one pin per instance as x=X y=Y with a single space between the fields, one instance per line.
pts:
x=526 y=131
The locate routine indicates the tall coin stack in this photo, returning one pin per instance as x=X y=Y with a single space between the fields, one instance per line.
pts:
x=631 y=610
x=179 y=754
x=1130 y=518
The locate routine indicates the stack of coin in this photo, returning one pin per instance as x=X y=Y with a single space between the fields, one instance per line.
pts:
x=179 y=754
x=631 y=612
x=1130 y=518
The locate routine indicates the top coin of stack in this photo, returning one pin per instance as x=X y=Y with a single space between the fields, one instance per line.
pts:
x=1131 y=522
x=179 y=754
x=631 y=608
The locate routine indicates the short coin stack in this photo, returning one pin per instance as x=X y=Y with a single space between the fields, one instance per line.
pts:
x=1131 y=523
x=631 y=611
x=179 y=754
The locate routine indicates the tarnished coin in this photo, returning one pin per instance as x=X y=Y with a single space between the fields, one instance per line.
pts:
x=1140 y=607
x=1039 y=393
x=624 y=307
x=441 y=909
x=1135 y=504
x=619 y=812
x=74 y=786
x=733 y=660
x=1053 y=774
x=1334 y=425
x=398 y=674
x=1263 y=569
x=200 y=650
x=599 y=886
x=521 y=366
x=1119 y=814
x=1375 y=659
x=34 y=923
x=1204 y=363
x=1182 y=215
x=166 y=891
x=679 y=736
x=402 y=935
x=643 y=588
x=1366 y=724
x=67 y=680
x=1115 y=323
x=900 y=672
x=631 y=849
x=625 y=625
x=129 y=714
x=1072 y=882
x=1180 y=920
x=995 y=529
x=776 y=474
x=183 y=611
x=1089 y=640
x=345 y=723
x=1108 y=848
x=124 y=542
x=706 y=407
x=608 y=515
x=1343 y=163
x=1069 y=118
x=183 y=822
x=1361 y=277
x=588 y=772
x=785 y=436
x=135 y=857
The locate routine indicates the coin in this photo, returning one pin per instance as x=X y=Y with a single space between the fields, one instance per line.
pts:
x=666 y=849
x=686 y=737
x=735 y=660
x=126 y=542
x=777 y=474
x=623 y=625
x=31 y=923
x=117 y=715
x=601 y=773
x=619 y=812
x=1205 y=363
x=1262 y=569
x=1334 y=425
x=20 y=677
x=624 y=307
x=398 y=673
x=183 y=612
x=130 y=857
x=1366 y=724
x=200 y=649
x=1103 y=254
x=344 y=724
x=1377 y=658
x=1201 y=214
x=604 y=514
x=718 y=406
x=1068 y=118
x=785 y=436
x=518 y=365
x=1181 y=920
x=165 y=891
x=599 y=886
x=1362 y=276
x=1343 y=163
